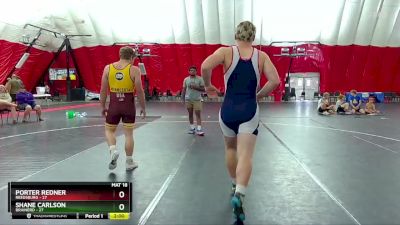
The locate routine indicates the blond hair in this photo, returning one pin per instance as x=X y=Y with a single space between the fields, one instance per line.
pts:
x=127 y=53
x=245 y=31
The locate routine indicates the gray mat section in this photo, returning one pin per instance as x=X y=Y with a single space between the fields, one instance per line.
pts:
x=361 y=175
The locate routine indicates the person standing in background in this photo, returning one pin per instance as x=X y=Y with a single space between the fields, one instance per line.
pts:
x=13 y=86
x=193 y=86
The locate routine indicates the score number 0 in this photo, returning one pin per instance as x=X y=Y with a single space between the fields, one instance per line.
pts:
x=121 y=194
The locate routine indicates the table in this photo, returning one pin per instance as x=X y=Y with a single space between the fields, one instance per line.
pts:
x=45 y=96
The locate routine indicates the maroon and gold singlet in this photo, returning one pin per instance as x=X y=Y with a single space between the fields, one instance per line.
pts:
x=122 y=99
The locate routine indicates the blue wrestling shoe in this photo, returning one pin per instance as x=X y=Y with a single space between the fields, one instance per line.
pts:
x=237 y=205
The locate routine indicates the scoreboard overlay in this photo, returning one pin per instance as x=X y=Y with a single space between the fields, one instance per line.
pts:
x=70 y=200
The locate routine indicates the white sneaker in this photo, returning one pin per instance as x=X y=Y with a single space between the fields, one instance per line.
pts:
x=325 y=113
x=131 y=165
x=200 y=132
x=114 y=159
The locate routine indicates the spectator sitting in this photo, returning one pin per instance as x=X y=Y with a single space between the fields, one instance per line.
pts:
x=6 y=103
x=355 y=103
x=323 y=105
x=26 y=102
x=370 y=108
x=342 y=107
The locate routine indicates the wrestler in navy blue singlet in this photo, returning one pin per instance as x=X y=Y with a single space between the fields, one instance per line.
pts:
x=239 y=111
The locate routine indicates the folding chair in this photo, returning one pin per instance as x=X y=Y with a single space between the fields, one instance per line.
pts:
x=396 y=97
x=388 y=96
x=316 y=95
x=332 y=97
x=4 y=111
x=29 y=115
x=303 y=95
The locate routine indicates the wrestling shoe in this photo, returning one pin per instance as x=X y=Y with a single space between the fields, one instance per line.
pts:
x=131 y=165
x=114 y=159
x=237 y=205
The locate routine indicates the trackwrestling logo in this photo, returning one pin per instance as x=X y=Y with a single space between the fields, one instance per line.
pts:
x=119 y=76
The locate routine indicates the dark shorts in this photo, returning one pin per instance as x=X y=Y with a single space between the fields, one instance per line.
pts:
x=340 y=109
x=24 y=105
x=13 y=97
x=320 y=110
x=121 y=108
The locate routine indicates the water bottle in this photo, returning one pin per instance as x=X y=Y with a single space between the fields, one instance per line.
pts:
x=70 y=114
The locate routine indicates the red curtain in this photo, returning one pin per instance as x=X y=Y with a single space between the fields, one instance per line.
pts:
x=365 y=68
x=10 y=53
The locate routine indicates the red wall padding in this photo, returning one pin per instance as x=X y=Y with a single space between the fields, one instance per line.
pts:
x=10 y=53
x=365 y=68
